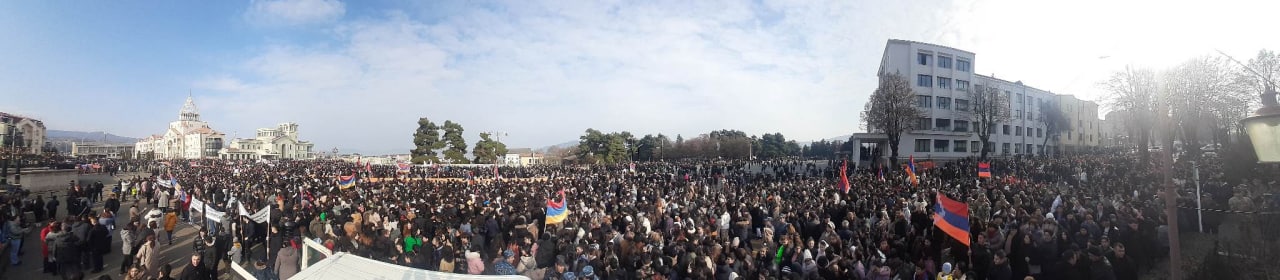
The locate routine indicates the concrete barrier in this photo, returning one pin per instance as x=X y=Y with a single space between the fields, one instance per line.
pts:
x=44 y=180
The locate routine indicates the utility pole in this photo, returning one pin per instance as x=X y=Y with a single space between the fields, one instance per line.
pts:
x=497 y=136
x=1170 y=191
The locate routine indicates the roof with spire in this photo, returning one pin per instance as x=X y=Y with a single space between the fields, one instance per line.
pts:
x=189 y=112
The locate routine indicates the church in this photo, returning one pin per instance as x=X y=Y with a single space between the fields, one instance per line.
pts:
x=280 y=142
x=186 y=138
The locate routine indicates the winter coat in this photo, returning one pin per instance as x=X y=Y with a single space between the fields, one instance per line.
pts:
x=287 y=263
x=146 y=256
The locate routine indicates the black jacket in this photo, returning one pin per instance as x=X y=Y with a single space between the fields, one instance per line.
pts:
x=192 y=272
x=100 y=239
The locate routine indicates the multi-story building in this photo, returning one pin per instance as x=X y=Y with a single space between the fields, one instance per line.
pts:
x=280 y=142
x=114 y=151
x=521 y=157
x=943 y=79
x=186 y=138
x=1086 y=129
x=19 y=131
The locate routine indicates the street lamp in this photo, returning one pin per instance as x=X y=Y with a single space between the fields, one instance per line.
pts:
x=1263 y=127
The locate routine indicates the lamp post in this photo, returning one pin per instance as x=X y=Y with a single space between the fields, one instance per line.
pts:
x=1263 y=127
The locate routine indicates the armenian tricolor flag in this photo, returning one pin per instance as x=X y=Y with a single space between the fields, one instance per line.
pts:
x=952 y=217
x=911 y=171
x=346 y=182
x=984 y=170
x=557 y=211
x=881 y=173
x=844 y=178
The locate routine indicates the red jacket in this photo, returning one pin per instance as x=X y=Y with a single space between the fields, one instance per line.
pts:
x=44 y=245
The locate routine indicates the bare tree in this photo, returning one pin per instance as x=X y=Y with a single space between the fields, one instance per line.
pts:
x=989 y=109
x=1055 y=121
x=1202 y=94
x=892 y=111
x=1134 y=91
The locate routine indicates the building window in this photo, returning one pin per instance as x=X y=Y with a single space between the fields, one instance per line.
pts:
x=962 y=126
x=1004 y=148
x=924 y=80
x=960 y=146
x=1017 y=149
x=1068 y=136
x=963 y=65
x=944 y=62
x=1006 y=129
x=1017 y=114
x=944 y=82
x=1029 y=150
x=1038 y=132
x=922 y=145
x=974 y=146
x=924 y=101
x=962 y=85
x=942 y=124
x=962 y=105
x=1029 y=131
x=923 y=58
x=923 y=123
x=941 y=146
x=1019 y=98
x=944 y=102
x=1017 y=131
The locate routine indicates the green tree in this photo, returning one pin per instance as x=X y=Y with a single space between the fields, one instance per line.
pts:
x=488 y=150
x=457 y=146
x=597 y=147
x=426 y=140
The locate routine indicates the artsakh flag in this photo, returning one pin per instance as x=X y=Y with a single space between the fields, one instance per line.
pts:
x=844 y=178
x=984 y=170
x=952 y=217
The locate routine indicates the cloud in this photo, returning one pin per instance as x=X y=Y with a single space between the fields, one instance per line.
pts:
x=294 y=12
x=545 y=71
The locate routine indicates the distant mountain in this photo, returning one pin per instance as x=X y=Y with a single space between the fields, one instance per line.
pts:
x=94 y=137
x=564 y=145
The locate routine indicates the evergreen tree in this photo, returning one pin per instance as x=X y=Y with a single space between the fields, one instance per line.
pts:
x=426 y=141
x=457 y=147
x=488 y=150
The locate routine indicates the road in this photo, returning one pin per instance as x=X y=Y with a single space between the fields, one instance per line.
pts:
x=176 y=255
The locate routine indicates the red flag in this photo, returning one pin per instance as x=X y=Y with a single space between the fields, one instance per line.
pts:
x=368 y=168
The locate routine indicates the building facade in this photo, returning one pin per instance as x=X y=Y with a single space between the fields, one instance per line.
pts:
x=1086 y=129
x=521 y=157
x=186 y=138
x=19 y=131
x=943 y=79
x=113 y=151
x=280 y=142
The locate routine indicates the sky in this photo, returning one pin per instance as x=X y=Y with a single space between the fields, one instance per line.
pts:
x=357 y=75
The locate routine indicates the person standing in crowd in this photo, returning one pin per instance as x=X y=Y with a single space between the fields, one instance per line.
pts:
x=287 y=263
x=99 y=245
x=146 y=255
x=16 y=232
x=170 y=222
x=47 y=236
x=127 y=239
x=195 y=270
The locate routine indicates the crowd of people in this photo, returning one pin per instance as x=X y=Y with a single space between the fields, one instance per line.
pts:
x=1076 y=217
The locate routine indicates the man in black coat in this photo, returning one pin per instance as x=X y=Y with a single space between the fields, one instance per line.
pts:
x=99 y=243
x=51 y=208
x=195 y=270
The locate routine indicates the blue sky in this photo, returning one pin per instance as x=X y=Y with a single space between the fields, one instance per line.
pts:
x=357 y=74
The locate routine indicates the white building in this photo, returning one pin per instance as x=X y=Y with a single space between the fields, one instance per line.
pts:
x=112 y=151
x=521 y=157
x=186 y=138
x=32 y=133
x=280 y=142
x=942 y=78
